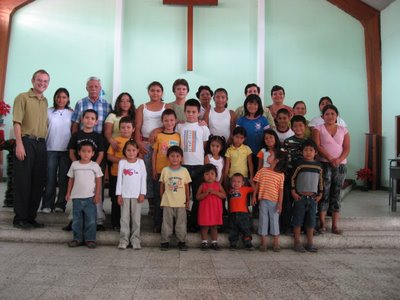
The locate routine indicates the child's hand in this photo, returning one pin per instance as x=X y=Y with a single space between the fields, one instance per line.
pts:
x=96 y=198
x=295 y=196
x=141 y=198
x=154 y=175
x=67 y=197
x=253 y=200
x=187 y=204
x=318 y=198
x=279 y=208
x=120 y=200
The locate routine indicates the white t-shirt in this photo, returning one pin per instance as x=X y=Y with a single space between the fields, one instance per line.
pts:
x=284 y=135
x=319 y=121
x=59 y=129
x=85 y=178
x=193 y=137
x=131 y=180
x=218 y=163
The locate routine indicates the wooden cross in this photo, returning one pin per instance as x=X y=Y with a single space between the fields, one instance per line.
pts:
x=190 y=4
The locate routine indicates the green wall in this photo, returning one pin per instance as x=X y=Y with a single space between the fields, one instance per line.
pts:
x=390 y=31
x=313 y=49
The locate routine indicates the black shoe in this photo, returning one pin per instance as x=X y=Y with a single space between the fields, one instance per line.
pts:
x=164 y=246
x=232 y=247
x=22 y=225
x=215 y=247
x=182 y=246
x=68 y=227
x=100 y=227
x=249 y=247
x=204 y=246
x=36 y=224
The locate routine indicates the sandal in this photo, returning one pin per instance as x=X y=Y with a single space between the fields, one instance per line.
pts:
x=322 y=230
x=337 y=231
x=276 y=249
x=299 y=248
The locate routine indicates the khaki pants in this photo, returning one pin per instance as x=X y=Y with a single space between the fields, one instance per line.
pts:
x=169 y=213
x=130 y=213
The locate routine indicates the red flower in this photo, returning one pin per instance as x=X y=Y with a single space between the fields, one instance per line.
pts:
x=365 y=174
x=4 y=108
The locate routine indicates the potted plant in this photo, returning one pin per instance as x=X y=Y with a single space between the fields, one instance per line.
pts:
x=366 y=175
x=4 y=110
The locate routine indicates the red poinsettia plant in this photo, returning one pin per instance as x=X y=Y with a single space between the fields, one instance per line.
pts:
x=4 y=108
x=365 y=174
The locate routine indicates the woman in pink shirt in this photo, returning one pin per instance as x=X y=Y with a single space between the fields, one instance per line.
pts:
x=333 y=142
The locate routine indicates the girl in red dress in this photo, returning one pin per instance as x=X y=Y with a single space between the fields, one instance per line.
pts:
x=210 y=195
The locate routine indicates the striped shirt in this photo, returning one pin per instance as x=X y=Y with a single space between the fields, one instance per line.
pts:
x=307 y=177
x=101 y=106
x=270 y=183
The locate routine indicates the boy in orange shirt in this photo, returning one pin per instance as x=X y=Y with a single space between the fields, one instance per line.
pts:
x=239 y=216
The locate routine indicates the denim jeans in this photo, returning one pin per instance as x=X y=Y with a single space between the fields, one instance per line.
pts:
x=57 y=164
x=84 y=219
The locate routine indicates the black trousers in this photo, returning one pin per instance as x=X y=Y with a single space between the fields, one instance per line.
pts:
x=196 y=174
x=29 y=180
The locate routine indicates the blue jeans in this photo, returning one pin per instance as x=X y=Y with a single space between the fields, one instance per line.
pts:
x=84 y=219
x=57 y=164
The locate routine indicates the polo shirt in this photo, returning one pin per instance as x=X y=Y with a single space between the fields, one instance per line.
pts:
x=31 y=113
x=238 y=157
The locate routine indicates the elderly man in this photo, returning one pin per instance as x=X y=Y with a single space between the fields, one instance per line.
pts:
x=94 y=101
x=30 y=162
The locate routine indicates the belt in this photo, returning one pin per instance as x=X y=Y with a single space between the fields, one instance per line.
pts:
x=35 y=138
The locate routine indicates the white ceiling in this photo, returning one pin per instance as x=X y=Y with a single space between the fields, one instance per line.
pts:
x=378 y=4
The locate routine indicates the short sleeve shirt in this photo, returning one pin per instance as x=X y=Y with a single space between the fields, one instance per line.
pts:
x=95 y=138
x=193 y=137
x=162 y=143
x=31 y=113
x=174 y=181
x=114 y=120
x=85 y=179
x=121 y=143
x=238 y=199
x=238 y=157
x=271 y=183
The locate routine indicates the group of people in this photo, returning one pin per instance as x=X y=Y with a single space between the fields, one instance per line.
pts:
x=193 y=162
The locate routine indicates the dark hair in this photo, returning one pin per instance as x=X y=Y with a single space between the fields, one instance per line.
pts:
x=251 y=85
x=193 y=102
x=131 y=142
x=275 y=135
x=330 y=106
x=180 y=81
x=132 y=109
x=309 y=143
x=298 y=118
x=253 y=98
x=155 y=83
x=282 y=164
x=277 y=88
x=126 y=119
x=222 y=90
x=220 y=140
x=168 y=112
x=86 y=143
x=238 y=175
x=210 y=167
x=325 y=98
x=283 y=111
x=239 y=130
x=203 y=87
x=299 y=102
x=59 y=91
x=90 y=110
x=174 y=149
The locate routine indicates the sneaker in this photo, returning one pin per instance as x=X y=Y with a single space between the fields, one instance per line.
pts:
x=46 y=210
x=164 y=246
x=100 y=227
x=136 y=247
x=204 y=246
x=59 y=210
x=215 y=247
x=233 y=247
x=249 y=247
x=311 y=248
x=91 y=244
x=74 y=243
x=299 y=248
x=68 y=227
x=122 y=246
x=182 y=246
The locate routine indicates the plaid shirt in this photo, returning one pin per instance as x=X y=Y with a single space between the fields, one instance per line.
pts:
x=102 y=107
